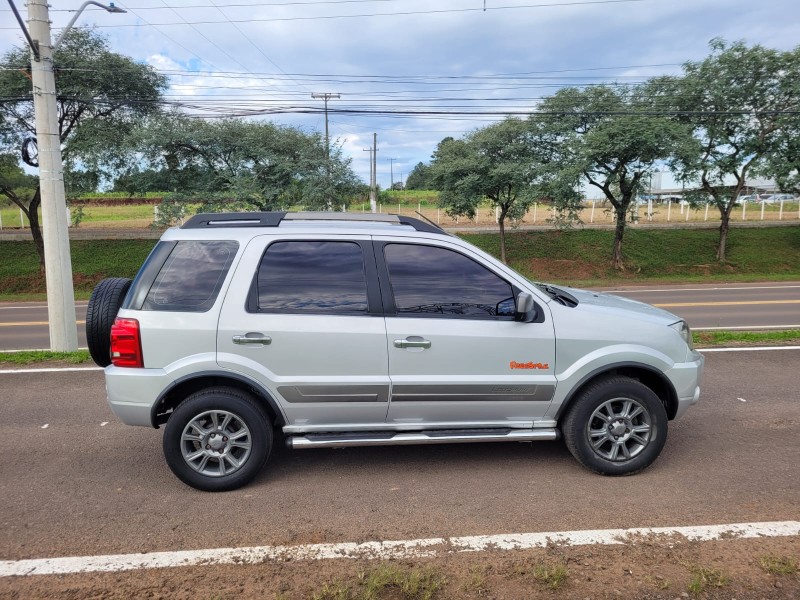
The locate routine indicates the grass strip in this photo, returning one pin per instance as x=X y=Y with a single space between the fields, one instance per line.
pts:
x=31 y=357
x=746 y=338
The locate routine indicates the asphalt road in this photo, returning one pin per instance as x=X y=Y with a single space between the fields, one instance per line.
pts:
x=77 y=482
x=23 y=326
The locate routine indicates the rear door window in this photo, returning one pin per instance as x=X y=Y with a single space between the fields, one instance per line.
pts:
x=192 y=276
x=311 y=277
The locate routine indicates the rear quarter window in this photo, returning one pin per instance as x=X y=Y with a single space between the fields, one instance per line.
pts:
x=191 y=276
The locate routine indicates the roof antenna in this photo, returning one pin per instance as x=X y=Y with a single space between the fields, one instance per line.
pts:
x=484 y=5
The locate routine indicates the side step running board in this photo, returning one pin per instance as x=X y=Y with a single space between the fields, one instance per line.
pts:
x=345 y=440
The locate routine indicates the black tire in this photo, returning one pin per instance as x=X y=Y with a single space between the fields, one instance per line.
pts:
x=103 y=307
x=196 y=414
x=597 y=423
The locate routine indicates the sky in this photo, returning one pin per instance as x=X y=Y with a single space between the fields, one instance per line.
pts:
x=465 y=67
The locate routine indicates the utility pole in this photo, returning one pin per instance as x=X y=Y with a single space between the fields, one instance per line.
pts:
x=391 y=173
x=58 y=262
x=57 y=259
x=326 y=96
x=373 y=196
x=373 y=175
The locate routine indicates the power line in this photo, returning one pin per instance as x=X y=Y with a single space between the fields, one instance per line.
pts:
x=386 y=14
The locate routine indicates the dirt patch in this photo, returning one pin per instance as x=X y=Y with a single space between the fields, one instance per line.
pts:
x=661 y=570
x=545 y=269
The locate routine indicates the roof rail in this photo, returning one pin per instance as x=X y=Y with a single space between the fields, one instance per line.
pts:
x=274 y=219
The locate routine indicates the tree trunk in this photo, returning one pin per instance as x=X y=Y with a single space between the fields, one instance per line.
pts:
x=619 y=232
x=36 y=229
x=724 y=226
x=502 y=223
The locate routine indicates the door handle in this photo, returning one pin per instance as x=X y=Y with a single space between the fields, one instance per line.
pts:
x=413 y=341
x=252 y=338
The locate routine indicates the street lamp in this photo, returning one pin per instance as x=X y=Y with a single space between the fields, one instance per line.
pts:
x=110 y=8
x=58 y=263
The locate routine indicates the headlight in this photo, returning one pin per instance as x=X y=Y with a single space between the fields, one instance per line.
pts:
x=683 y=329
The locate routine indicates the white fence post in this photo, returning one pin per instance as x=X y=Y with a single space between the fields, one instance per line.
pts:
x=497 y=214
x=763 y=206
x=744 y=210
x=669 y=209
x=535 y=206
x=649 y=209
x=706 y=217
x=780 y=213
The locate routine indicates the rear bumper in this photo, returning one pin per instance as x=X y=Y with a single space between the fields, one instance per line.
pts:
x=133 y=392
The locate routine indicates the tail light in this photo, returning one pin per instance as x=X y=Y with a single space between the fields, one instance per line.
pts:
x=126 y=344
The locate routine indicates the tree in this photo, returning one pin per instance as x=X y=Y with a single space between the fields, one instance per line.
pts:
x=247 y=165
x=742 y=104
x=101 y=97
x=611 y=137
x=15 y=184
x=500 y=162
x=419 y=178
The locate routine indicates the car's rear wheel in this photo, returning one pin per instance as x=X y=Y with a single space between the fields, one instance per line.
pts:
x=617 y=426
x=217 y=439
x=101 y=312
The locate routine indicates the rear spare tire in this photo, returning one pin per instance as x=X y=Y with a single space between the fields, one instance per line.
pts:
x=103 y=306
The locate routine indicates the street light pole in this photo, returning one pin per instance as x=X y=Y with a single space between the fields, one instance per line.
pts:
x=58 y=262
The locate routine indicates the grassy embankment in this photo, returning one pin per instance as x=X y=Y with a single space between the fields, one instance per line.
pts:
x=578 y=258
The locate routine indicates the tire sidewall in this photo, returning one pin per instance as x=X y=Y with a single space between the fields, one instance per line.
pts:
x=101 y=312
x=245 y=410
x=578 y=418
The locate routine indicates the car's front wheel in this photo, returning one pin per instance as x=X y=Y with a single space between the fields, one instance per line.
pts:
x=617 y=426
x=217 y=439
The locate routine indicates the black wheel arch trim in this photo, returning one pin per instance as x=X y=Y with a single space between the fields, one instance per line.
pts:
x=278 y=417
x=670 y=403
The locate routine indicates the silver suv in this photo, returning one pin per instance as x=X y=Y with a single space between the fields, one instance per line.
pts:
x=364 y=330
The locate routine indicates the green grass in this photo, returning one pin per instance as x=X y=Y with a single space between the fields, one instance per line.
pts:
x=385 y=581
x=778 y=565
x=721 y=338
x=31 y=357
x=579 y=258
x=704 y=578
x=92 y=260
x=583 y=257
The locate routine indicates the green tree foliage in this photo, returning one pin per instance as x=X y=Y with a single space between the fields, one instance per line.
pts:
x=501 y=162
x=419 y=178
x=739 y=102
x=247 y=165
x=101 y=96
x=15 y=185
x=611 y=137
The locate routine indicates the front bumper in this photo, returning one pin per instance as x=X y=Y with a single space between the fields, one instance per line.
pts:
x=686 y=378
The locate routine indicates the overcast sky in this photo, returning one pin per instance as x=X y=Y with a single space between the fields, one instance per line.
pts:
x=441 y=56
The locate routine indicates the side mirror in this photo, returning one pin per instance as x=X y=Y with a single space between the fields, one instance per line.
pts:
x=526 y=309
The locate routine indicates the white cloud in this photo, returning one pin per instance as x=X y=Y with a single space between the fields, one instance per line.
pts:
x=523 y=40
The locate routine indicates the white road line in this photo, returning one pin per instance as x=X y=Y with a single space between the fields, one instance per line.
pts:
x=748 y=349
x=401 y=549
x=29 y=306
x=700 y=289
x=46 y=349
x=51 y=370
